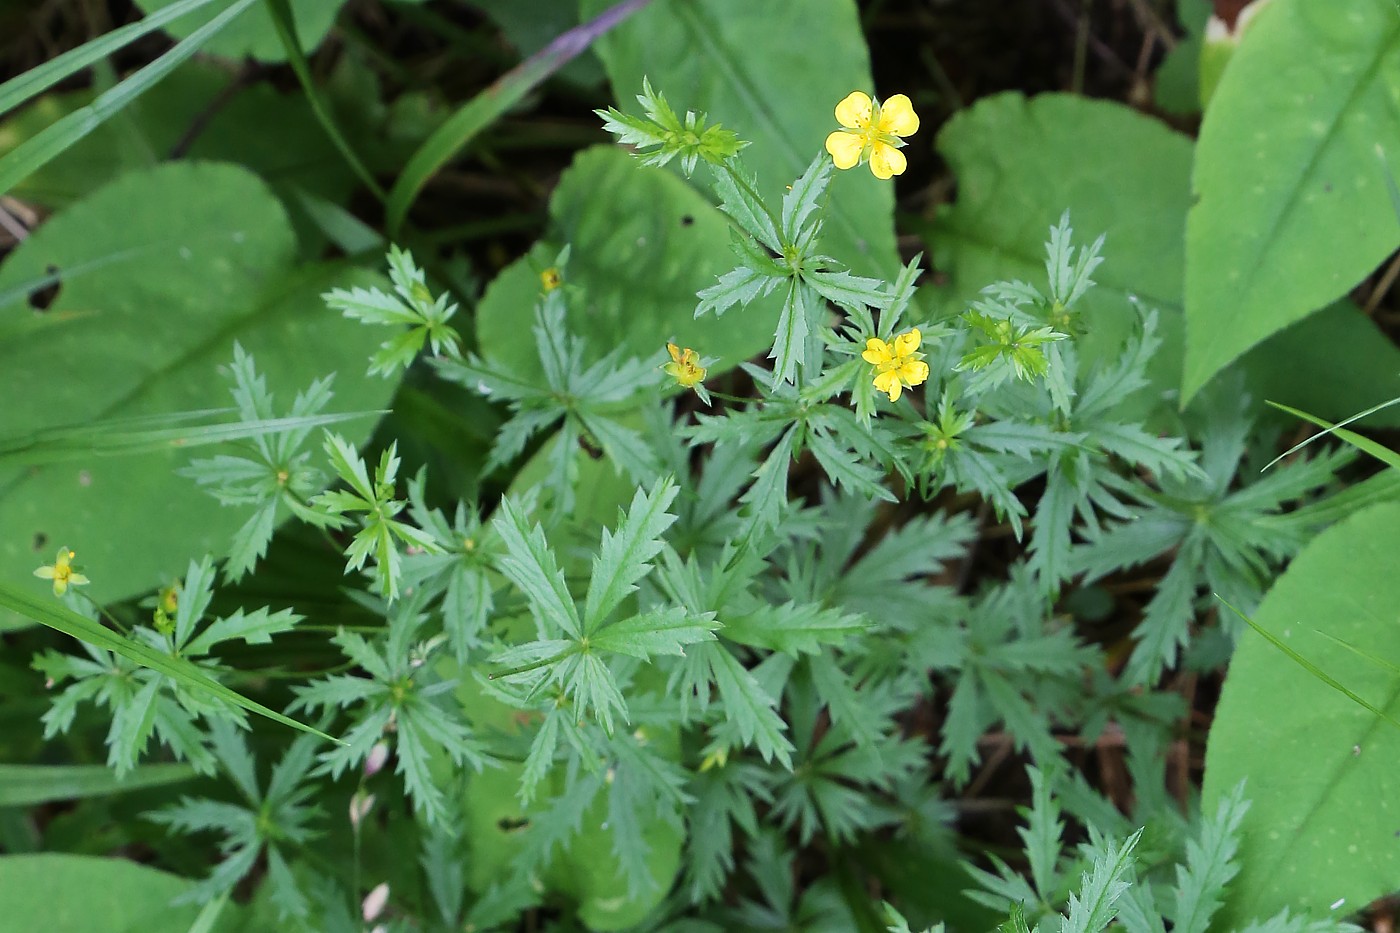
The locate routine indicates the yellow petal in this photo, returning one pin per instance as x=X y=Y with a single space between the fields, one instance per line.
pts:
x=907 y=344
x=887 y=161
x=897 y=116
x=876 y=351
x=675 y=352
x=845 y=148
x=913 y=372
x=77 y=579
x=855 y=111
x=45 y=572
x=888 y=382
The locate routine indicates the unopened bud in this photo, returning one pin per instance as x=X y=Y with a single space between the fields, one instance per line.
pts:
x=373 y=904
x=376 y=758
x=360 y=805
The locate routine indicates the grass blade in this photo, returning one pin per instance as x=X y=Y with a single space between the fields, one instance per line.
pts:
x=28 y=785
x=62 y=619
x=36 y=80
x=284 y=21
x=109 y=440
x=36 y=152
x=1309 y=666
x=1383 y=454
x=485 y=108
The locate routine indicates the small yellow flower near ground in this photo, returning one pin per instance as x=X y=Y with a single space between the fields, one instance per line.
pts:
x=550 y=279
x=872 y=132
x=61 y=572
x=167 y=604
x=684 y=367
x=897 y=364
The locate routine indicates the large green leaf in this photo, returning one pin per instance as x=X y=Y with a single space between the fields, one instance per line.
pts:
x=159 y=273
x=643 y=243
x=80 y=894
x=587 y=870
x=1291 y=207
x=1320 y=769
x=253 y=33
x=773 y=73
x=1020 y=163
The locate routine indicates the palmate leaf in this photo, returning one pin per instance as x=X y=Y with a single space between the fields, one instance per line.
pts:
x=793 y=627
x=530 y=565
x=802 y=198
x=739 y=198
x=847 y=290
x=1210 y=865
x=660 y=631
x=736 y=287
x=800 y=304
x=1094 y=906
x=625 y=555
x=767 y=496
x=750 y=710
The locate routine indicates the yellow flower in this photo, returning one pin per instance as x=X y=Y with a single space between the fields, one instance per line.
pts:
x=550 y=279
x=872 y=132
x=61 y=573
x=684 y=367
x=897 y=364
x=167 y=604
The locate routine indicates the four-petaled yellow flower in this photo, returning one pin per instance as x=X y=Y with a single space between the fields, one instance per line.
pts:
x=873 y=132
x=61 y=572
x=684 y=367
x=897 y=364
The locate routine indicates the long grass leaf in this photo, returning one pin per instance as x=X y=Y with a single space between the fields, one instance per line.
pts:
x=485 y=108
x=285 y=23
x=1309 y=666
x=63 y=444
x=1384 y=664
x=40 y=78
x=1366 y=445
x=38 y=151
x=28 y=785
x=62 y=619
x=209 y=915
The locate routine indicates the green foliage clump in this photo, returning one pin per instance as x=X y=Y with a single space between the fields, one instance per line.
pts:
x=584 y=638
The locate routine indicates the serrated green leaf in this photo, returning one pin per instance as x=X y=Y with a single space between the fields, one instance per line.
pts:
x=530 y=565
x=625 y=555
x=661 y=631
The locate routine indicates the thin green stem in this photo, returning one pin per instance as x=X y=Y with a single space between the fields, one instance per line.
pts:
x=534 y=665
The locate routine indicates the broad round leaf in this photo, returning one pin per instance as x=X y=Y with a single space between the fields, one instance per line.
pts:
x=158 y=274
x=1290 y=177
x=1324 y=827
x=642 y=244
x=1022 y=162
x=773 y=73
x=253 y=34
